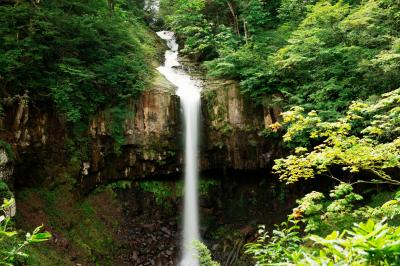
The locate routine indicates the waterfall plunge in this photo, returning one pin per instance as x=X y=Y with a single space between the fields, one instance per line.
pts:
x=189 y=93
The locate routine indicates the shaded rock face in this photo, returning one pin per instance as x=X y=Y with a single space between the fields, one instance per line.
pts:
x=151 y=146
x=27 y=126
x=35 y=136
x=234 y=130
x=39 y=137
x=232 y=138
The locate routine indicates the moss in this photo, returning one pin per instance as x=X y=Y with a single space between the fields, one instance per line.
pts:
x=116 y=117
x=122 y=184
x=46 y=255
x=253 y=142
x=160 y=82
x=8 y=149
x=269 y=133
x=87 y=226
x=205 y=185
x=164 y=191
x=209 y=95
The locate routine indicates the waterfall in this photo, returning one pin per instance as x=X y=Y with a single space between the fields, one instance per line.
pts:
x=189 y=93
x=188 y=90
x=152 y=6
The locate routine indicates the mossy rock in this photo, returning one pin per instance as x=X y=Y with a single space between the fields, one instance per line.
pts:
x=161 y=83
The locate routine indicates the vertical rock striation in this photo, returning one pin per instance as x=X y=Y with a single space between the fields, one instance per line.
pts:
x=152 y=137
x=234 y=134
x=233 y=137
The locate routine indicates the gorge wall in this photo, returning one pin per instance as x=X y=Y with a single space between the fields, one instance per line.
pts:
x=38 y=152
x=234 y=129
x=232 y=138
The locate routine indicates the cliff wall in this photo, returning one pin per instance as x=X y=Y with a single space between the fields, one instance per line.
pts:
x=233 y=138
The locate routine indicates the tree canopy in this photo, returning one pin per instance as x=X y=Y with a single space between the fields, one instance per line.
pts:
x=79 y=55
x=318 y=54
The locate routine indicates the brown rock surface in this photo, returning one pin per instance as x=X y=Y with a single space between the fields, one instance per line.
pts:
x=233 y=134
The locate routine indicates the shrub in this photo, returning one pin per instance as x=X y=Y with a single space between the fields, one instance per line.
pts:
x=204 y=255
x=11 y=247
x=277 y=248
x=370 y=243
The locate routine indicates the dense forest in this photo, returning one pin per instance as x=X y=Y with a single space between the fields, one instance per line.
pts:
x=319 y=55
x=333 y=67
x=80 y=56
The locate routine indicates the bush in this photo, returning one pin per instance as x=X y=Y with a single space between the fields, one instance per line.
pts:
x=80 y=57
x=204 y=255
x=11 y=247
x=367 y=243
x=278 y=248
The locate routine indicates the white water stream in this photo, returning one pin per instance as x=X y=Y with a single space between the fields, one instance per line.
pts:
x=152 y=6
x=188 y=89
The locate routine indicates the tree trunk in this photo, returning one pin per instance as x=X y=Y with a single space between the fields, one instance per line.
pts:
x=235 y=18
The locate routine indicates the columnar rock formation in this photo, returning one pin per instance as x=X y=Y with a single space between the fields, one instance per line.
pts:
x=233 y=137
x=235 y=129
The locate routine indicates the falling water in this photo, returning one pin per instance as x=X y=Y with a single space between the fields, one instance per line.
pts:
x=152 y=6
x=189 y=93
x=188 y=89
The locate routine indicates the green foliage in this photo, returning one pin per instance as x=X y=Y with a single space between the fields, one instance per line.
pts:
x=163 y=191
x=365 y=140
x=204 y=255
x=321 y=215
x=343 y=197
x=330 y=49
x=87 y=226
x=123 y=184
x=80 y=56
x=363 y=235
x=343 y=208
x=117 y=116
x=5 y=192
x=189 y=21
x=11 y=247
x=205 y=185
x=319 y=54
x=293 y=11
x=278 y=248
x=8 y=148
x=254 y=15
x=367 y=243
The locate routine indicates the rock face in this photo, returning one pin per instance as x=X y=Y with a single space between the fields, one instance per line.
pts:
x=151 y=144
x=33 y=135
x=235 y=129
x=233 y=138
x=40 y=139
